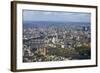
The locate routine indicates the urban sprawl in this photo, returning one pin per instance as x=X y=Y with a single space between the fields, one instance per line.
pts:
x=56 y=43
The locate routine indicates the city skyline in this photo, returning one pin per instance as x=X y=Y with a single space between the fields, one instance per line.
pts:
x=56 y=36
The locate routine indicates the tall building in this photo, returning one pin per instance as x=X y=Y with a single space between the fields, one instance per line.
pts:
x=44 y=51
x=86 y=28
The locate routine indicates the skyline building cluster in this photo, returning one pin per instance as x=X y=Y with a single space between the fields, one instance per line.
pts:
x=42 y=41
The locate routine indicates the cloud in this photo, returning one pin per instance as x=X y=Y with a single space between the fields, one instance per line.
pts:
x=36 y=15
x=47 y=13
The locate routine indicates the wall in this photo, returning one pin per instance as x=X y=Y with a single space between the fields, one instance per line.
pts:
x=5 y=37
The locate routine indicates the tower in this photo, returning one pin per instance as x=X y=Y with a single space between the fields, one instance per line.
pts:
x=44 y=51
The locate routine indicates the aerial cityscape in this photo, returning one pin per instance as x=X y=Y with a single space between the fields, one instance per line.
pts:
x=56 y=36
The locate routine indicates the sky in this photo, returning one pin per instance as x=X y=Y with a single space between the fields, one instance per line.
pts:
x=61 y=16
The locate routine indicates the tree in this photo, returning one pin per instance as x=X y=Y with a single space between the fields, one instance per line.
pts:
x=64 y=52
x=84 y=52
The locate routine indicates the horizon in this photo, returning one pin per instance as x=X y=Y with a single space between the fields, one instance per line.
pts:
x=57 y=21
